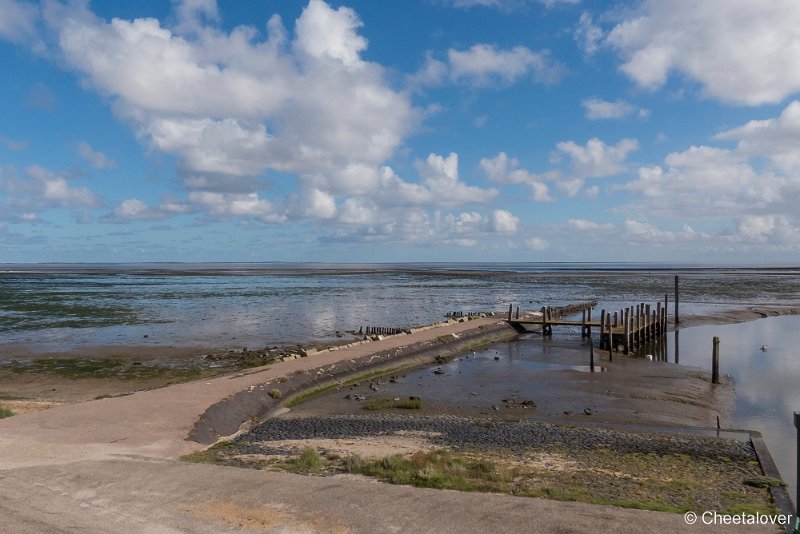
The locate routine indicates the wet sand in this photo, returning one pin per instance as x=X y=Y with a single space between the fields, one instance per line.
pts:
x=554 y=384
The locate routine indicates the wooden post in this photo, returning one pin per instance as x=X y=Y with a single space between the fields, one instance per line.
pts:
x=715 y=362
x=653 y=336
x=510 y=307
x=658 y=319
x=615 y=318
x=591 y=355
x=589 y=328
x=583 y=323
x=610 y=342
x=517 y=312
x=677 y=300
x=547 y=316
x=602 y=326
x=627 y=332
x=677 y=346
x=666 y=307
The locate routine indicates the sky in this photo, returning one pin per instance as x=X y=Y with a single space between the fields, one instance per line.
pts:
x=421 y=130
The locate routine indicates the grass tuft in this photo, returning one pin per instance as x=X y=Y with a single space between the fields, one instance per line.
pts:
x=5 y=412
x=308 y=461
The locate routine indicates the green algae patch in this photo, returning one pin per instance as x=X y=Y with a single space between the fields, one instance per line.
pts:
x=111 y=368
x=411 y=403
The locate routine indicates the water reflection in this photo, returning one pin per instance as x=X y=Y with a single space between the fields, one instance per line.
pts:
x=767 y=392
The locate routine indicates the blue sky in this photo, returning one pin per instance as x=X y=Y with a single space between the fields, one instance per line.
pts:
x=427 y=130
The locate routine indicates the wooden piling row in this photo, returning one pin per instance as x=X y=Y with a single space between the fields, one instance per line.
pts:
x=454 y=314
x=380 y=331
x=632 y=327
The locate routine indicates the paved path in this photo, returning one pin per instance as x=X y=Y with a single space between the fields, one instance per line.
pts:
x=109 y=466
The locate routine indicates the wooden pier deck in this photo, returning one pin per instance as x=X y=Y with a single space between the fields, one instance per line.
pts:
x=623 y=330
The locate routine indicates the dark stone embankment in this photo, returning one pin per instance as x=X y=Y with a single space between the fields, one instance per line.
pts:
x=227 y=417
x=488 y=434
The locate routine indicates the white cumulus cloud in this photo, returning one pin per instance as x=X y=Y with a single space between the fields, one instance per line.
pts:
x=740 y=51
x=596 y=159
x=95 y=158
x=486 y=64
x=597 y=109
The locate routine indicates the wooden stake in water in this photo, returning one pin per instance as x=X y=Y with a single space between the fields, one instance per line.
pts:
x=715 y=362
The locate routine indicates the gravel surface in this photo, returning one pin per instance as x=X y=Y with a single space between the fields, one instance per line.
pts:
x=486 y=434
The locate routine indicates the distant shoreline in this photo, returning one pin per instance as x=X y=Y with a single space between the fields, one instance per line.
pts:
x=428 y=268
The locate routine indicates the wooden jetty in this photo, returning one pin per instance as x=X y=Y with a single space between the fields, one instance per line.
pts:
x=622 y=330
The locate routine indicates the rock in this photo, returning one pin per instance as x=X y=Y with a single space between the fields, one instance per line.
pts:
x=496 y=408
x=497 y=358
x=587 y=411
x=438 y=371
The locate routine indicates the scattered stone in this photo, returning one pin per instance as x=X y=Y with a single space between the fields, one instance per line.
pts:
x=587 y=411
x=516 y=403
x=438 y=371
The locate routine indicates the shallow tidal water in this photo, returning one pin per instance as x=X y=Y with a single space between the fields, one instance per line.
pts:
x=63 y=307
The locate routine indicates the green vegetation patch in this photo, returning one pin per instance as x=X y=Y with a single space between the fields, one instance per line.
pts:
x=309 y=461
x=5 y=412
x=649 y=481
x=441 y=469
x=411 y=403
x=111 y=368
x=212 y=455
